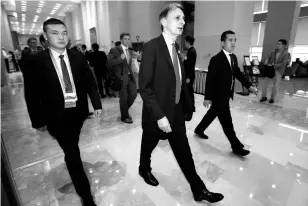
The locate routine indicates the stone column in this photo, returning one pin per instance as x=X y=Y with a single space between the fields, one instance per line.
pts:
x=281 y=23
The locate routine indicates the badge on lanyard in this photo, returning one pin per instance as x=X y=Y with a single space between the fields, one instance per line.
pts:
x=70 y=100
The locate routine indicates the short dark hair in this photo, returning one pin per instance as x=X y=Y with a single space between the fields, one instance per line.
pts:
x=84 y=46
x=190 y=40
x=283 y=41
x=117 y=43
x=50 y=22
x=30 y=39
x=42 y=38
x=165 y=11
x=124 y=34
x=224 y=35
x=95 y=46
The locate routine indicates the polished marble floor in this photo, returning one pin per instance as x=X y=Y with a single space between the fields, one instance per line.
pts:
x=274 y=174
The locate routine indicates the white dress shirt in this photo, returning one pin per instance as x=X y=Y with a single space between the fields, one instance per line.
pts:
x=57 y=64
x=228 y=56
x=169 y=43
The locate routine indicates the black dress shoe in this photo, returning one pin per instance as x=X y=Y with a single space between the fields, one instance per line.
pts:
x=149 y=178
x=208 y=196
x=201 y=135
x=271 y=101
x=127 y=120
x=263 y=99
x=88 y=202
x=241 y=152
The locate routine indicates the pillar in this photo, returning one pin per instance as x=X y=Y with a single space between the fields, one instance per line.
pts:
x=281 y=23
x=212 y=19
x=6 y=37
x=68 y=20
x=78 y=28
x=103 y=26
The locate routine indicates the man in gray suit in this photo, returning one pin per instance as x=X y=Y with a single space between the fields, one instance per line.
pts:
x=279 y=58
x=120 y=61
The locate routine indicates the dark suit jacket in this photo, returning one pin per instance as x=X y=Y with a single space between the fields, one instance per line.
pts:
x=157 y=86
x=99 y=62
x=190 y=63
x=119 y=66
x=219 y=79
x=43 y=92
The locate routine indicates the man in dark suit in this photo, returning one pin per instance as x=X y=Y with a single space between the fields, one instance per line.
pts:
x=120 y=61
x=189 y=65
x=98 y=60
x=32 y=43
x=222 y=71
x=167 y=103
x=57 y=82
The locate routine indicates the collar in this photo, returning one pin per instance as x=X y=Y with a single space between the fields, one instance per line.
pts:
x=168 y=39
x=124 y=47
x=56 y=54
x=226 y=53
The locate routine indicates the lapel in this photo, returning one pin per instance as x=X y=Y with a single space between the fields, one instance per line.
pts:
x=51 y=70
x=225 y=60
x=73 y=64
x=164 y=50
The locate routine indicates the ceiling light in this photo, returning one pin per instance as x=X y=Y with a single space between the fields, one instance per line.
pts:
x=38 y=11
x=23 y=19
x=23 y=2
x=23 y=7
x=43 y=2
x=23 y=15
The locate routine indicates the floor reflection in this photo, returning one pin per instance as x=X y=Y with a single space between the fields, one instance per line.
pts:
x=274 y=174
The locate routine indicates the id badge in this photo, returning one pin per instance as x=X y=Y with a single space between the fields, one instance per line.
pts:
x=70 y=101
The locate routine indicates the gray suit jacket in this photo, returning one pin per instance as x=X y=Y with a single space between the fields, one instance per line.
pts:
x=282 y=62
x=119 y=66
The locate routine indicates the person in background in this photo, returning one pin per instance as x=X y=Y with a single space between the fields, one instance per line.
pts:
x=120 y=61
x=6 y=59
x=18 y=56
x=14 y=61
x=40 y=48
x=32 y=43
x=98 y=60
x=85 y=52
x=189 y=65
x=279 y=58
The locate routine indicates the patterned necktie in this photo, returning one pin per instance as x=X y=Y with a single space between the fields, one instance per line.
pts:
x=232 y=69
x=66 y=77
x=177 y=74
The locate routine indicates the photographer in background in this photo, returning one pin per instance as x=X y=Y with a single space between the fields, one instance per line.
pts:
x=277 y=61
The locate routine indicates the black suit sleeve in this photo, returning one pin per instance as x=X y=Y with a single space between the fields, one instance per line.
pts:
x=240 y=75
x=190 y=64
x=114 y=57
x=146 y=74
x=33 y=93
x=92 y=86
x=211 y=79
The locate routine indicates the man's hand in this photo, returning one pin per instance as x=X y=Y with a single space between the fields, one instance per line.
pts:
x=42 y=129
x=97 y=112
x=253 y=89
x=207 y=103
x=164 y=125
x=187 y=81
x=123 y=56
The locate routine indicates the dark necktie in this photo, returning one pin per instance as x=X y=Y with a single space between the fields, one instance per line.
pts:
x=232 y=69
x=127 y=55
x=66 y=77
x=177 y=74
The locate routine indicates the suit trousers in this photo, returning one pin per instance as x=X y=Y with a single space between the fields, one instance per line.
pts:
x=180 y=147
x=191 y=92
x=66 y=131
x=276 y=82
x=222 y=111
x=128 y=94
